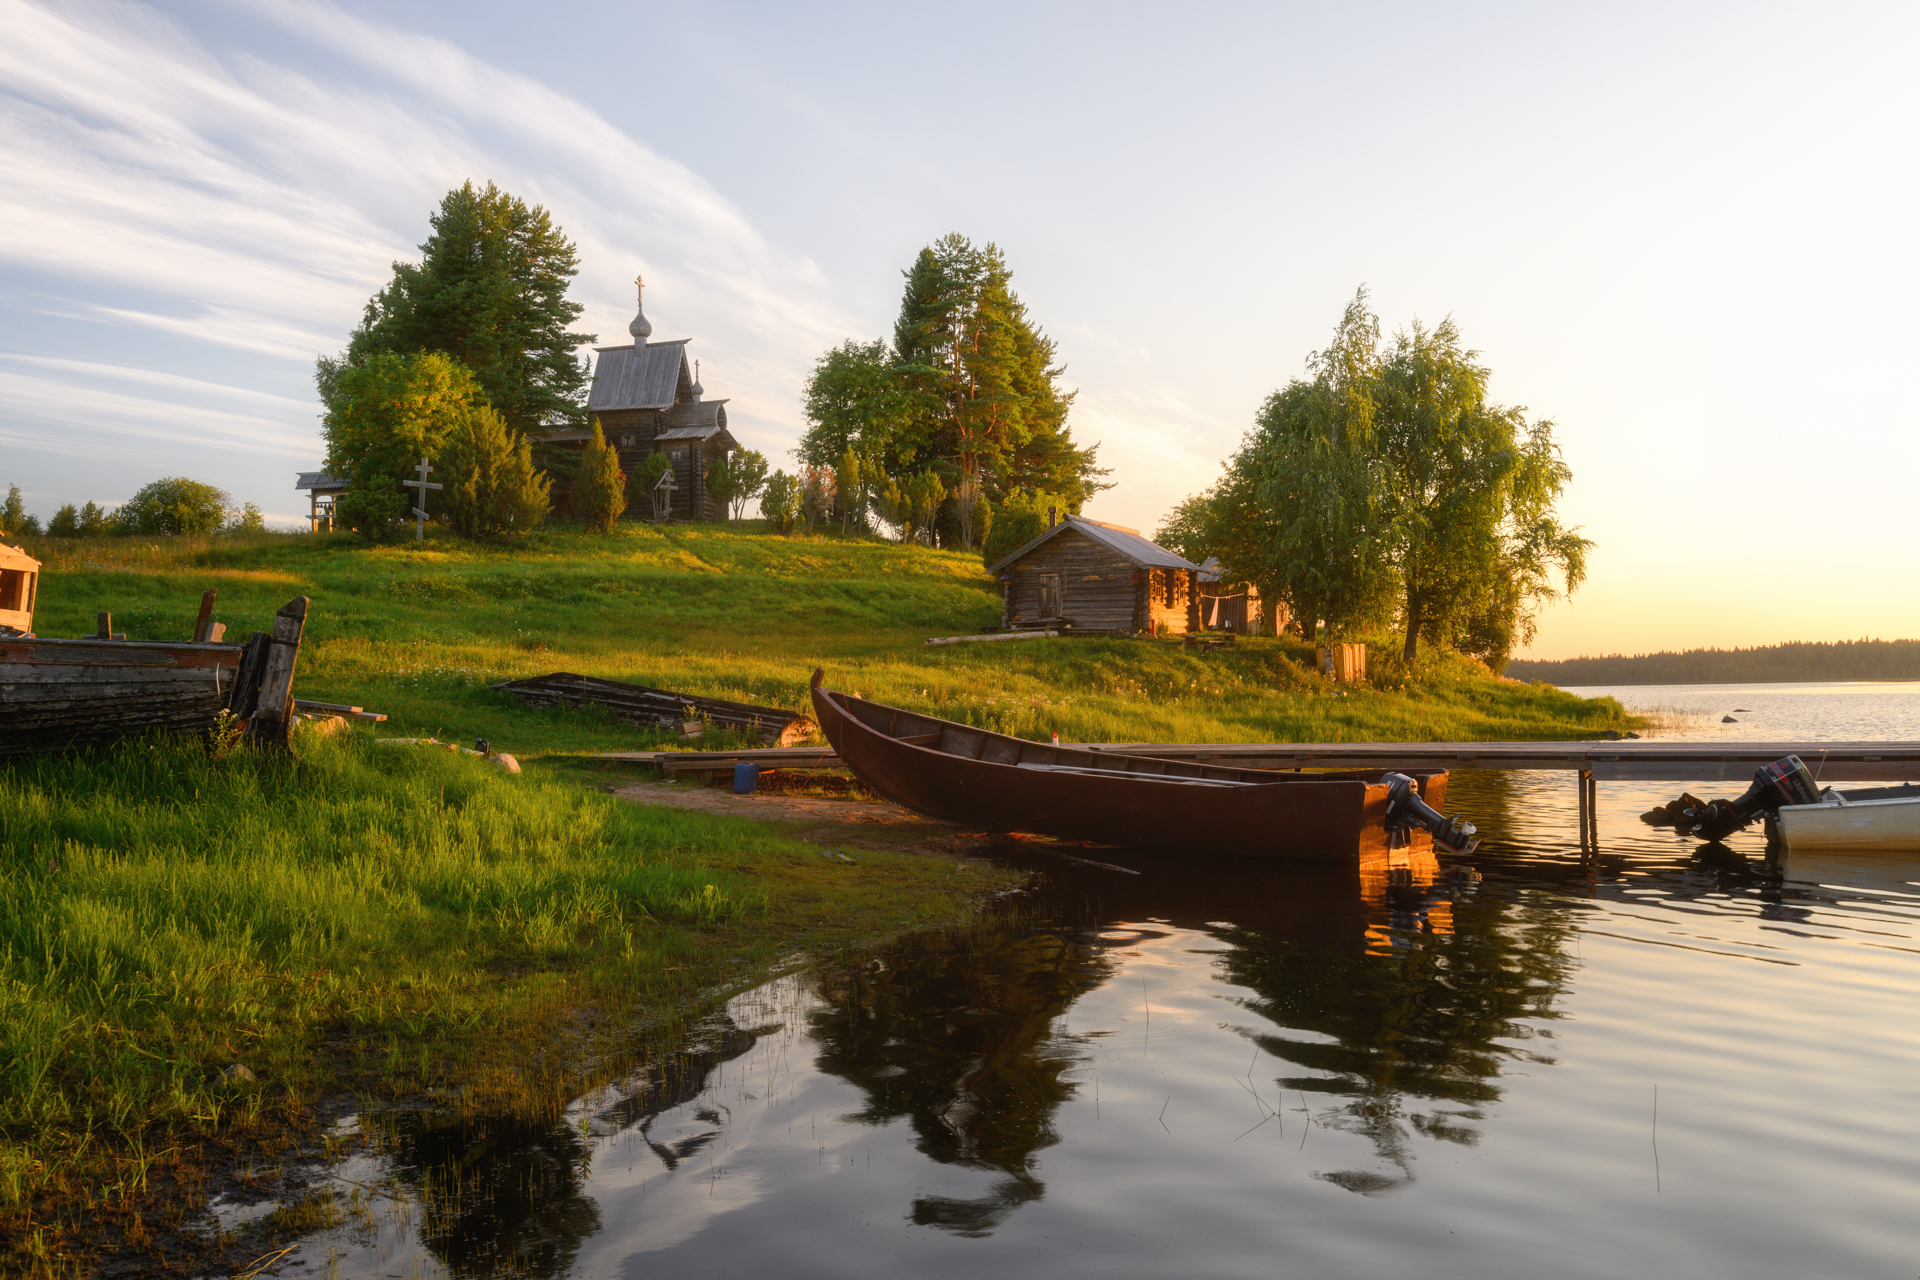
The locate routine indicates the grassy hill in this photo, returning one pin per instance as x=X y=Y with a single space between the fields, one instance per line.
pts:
x=420 y=631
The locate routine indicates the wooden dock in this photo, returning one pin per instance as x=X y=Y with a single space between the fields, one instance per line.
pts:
x=1642 y=761
x=1590 y=762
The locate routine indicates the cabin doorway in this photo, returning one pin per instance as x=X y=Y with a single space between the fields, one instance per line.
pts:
x=1050 y=595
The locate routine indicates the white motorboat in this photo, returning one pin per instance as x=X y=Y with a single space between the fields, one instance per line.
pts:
x=1880 y=818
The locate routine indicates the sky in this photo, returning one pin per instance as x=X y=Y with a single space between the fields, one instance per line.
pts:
x=1685 y=233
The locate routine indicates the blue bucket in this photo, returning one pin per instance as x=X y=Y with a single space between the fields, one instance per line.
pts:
x=746 y=777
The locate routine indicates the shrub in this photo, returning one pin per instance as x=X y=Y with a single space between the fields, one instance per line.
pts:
x=175 y=505
x=492 y=487
x=781 y=502
x=599 y=490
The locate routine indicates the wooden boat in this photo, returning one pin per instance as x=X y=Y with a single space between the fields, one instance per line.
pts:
x=1865 y=818
x=978 y=778
x=56 y=694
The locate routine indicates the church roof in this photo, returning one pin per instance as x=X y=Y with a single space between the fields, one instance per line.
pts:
x=318 y=480
x=695 y=421
x=646 y=377
x=1125 y=543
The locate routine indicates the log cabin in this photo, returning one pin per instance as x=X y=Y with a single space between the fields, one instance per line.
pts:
x=1090 y=576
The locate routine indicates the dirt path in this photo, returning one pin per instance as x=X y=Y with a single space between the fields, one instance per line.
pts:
x=861 y=823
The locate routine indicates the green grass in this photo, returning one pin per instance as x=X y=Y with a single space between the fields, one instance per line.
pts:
x=389 y=920
x=420 y=631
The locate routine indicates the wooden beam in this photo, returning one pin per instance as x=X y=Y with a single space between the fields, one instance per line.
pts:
x=274 y=709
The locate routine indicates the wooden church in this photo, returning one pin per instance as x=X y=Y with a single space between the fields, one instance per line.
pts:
x=648 y=399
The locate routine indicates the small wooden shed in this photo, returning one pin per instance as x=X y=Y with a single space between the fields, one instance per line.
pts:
x=1091 y=576
x=19 y=584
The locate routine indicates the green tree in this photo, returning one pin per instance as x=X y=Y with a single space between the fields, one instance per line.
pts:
x=65 y=523
x=175 y=505
x=781 y=502
x=599 y=488
x=644 y=482
x=850 y=490
x=1019 y=520
x=924 y=494
x=92 y=522
x=1306 y=485
x=723 y=481
x=383 y=414
x=856 y=398
x=490 y=291
x=492 y=489
x=750 y=478
x=1387 y=483
x=13 y=514
x=247 y=518
x=968 y=389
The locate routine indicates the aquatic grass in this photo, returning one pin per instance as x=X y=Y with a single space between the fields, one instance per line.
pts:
x=374 y=918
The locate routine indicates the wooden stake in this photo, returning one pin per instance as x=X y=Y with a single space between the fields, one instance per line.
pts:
x=272 y=713
x=204 y=622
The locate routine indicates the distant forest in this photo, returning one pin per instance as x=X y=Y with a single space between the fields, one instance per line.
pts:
x=1840 y=660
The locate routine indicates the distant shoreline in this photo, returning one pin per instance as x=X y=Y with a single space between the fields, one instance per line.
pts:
x=1799 y=662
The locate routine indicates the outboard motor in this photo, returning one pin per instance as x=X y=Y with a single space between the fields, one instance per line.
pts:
x=1406 y=810
x=1784 y=781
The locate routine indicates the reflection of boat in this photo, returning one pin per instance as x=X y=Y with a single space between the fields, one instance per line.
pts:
x=1863 y=818
x=972 y=776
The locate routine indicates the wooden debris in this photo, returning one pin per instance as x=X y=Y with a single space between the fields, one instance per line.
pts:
x=648 y=708
x=339 y=709
x=1004 y=635
x=674 y=764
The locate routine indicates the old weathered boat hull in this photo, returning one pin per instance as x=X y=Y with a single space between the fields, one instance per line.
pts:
x=988 y=780
x=67 y=693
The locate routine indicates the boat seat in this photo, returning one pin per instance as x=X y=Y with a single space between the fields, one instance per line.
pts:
x=1132 y=776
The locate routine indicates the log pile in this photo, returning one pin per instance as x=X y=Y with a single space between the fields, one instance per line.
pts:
x=661 y=708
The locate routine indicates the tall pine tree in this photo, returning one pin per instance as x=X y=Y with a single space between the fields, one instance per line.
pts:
x=490 y=291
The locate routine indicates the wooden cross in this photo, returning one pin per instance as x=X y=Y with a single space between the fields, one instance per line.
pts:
x=419 y=513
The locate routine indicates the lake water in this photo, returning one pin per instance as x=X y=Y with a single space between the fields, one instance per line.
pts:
x=1660 y=1060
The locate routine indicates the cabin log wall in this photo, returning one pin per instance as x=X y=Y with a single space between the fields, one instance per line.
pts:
x=1096 y=586
x=1173 y=606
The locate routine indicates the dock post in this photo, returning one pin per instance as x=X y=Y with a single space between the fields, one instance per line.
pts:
x=1589 y=811
x=1581 y=782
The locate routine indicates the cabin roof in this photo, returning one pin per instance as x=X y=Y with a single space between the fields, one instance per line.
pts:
x=1125 y=543
x=16 y=558
x=318 y=480
x=1211 y=570
x=637 y=377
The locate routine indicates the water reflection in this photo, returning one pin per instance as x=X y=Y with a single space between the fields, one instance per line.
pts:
x=958 y=1037
x=506 y=1196
x=1209 y=1056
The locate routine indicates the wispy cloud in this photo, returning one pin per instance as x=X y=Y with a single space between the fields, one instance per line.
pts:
x=246 y=203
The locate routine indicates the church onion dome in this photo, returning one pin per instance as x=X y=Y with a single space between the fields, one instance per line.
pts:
x=697 y=389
